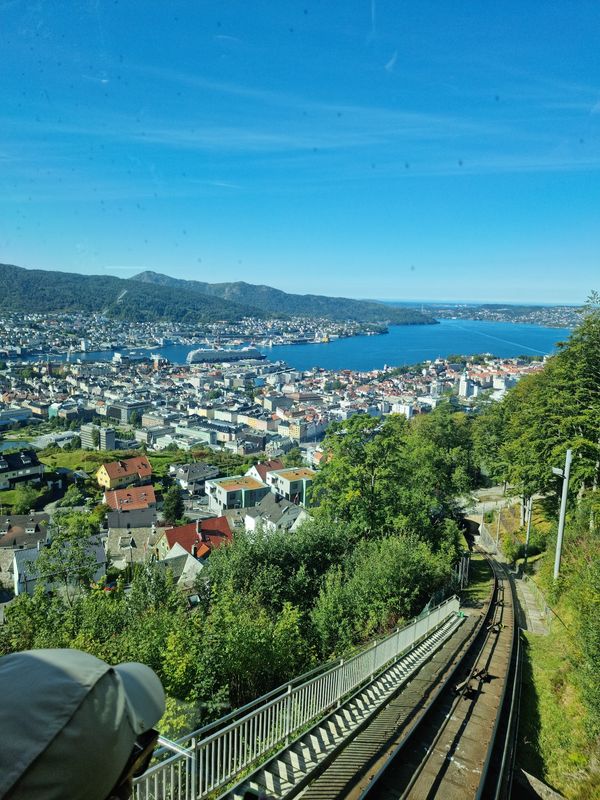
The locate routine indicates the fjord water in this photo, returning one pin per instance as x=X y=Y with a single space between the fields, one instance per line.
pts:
x=404 y=344
x=408 y=344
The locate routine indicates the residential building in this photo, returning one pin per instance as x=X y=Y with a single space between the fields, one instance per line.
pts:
x=90 y=434
x=238 y=491
x=132 y=498
x=122 y=411
x=19 y=467
x=292 y=483
x=108 y=439
x=260 y=470
x=19 y=532
x=197 y=538
x=14 y=417
x=133 y=545
x=192 y=477
x=183 y=567
x=465 y=386
x=25 y=578
x=117 y=474
x=275 y=513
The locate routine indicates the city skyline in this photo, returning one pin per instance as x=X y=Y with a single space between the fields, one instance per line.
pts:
x=418 y=155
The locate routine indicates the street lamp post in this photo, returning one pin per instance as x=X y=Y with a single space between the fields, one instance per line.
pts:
x=564 y=474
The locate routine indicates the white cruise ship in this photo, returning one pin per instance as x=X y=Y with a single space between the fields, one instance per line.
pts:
x=212 y=354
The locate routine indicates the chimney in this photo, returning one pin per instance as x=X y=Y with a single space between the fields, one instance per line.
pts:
x=194 y=550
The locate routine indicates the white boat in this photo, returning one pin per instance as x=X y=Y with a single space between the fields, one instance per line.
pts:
x=207 y=355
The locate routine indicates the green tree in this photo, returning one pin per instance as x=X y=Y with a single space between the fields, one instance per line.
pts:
x=173 y=507
x=25 y=497
x=379 y=586
x=365 y=467
x=293 y=458
x=69 y=561
x=489 y=431
x=391 y=475
x=135 y=419
x=73 y=497
x=555 y=409
x=440 y=454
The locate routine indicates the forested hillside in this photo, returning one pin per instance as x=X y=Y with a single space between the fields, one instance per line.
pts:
x=42 y=291
x=274 y=301
x=520 y=440
x=150 y=296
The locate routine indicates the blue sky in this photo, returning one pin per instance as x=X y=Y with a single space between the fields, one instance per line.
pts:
x=422 y=150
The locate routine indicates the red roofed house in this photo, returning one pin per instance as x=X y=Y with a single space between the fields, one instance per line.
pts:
x=259 y=471
x=117 y=474
x=198 y=538
x=134 y=498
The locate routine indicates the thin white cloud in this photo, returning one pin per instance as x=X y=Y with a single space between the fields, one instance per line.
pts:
x=389 y=67
x=223 y=37
x=373 y=30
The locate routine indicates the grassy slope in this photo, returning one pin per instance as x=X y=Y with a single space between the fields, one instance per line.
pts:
x=90 y=460
x=553 y=744
x=552 y=739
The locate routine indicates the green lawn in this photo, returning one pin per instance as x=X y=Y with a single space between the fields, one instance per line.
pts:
x=7 y=498
x=90 y=460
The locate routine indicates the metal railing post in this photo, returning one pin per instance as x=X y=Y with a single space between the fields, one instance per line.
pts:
x=193 y=787
x=374 y=658
x=339 y=680
x=288 y=713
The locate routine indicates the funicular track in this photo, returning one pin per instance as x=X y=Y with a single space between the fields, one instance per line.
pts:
x=438 y=736
x=424 y=713
x=458 y=746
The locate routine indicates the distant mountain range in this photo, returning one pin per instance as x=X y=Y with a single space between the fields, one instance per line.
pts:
x=274 y=302
x=36 y=290
x=151 y=296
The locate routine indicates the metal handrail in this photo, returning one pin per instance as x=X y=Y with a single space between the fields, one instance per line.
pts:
x=221 y=750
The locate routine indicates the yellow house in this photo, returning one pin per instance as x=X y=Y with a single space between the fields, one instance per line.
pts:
x=118 y=474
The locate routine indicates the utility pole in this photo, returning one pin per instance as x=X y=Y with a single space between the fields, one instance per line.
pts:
x=564 y=474
x=499 y=512
x=529 y=515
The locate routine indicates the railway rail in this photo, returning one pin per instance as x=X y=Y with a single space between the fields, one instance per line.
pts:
x=459 y=745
